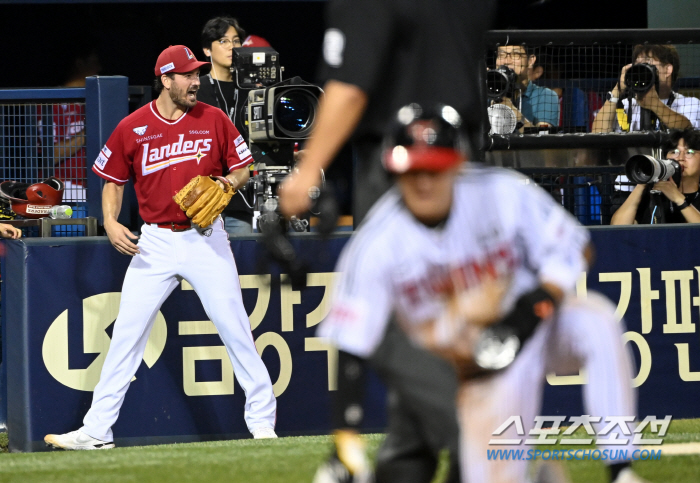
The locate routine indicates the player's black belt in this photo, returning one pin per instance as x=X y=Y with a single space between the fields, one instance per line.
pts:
x=174 y=226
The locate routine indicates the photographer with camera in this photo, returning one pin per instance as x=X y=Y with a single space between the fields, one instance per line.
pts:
x=220 y=36
x=665 y=201
x=654 y=104
x=533 y=105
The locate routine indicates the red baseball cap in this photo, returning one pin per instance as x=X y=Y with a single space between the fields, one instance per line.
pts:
x=178 y=59
x=255 y=41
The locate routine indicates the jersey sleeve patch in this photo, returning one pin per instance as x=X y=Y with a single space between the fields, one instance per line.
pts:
x=238 y=140
x=243 y=151
x=102 y=158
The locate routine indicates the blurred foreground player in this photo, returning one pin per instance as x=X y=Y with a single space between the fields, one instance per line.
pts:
x=162 y=146
x=379 y=55
x=478 y=266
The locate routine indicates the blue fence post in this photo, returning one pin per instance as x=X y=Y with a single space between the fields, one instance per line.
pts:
x=106 y=103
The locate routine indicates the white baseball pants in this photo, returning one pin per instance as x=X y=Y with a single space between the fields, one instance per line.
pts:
x=584 y=334
x=207 y=263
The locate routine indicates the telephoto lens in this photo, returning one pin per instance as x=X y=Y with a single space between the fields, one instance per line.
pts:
x=644 y=169
x=500 y=82
x=640 y=78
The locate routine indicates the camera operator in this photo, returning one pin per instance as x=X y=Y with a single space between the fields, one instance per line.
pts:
x=534 y=106
x=665 y=202
x=670 y=108
x=220 y=36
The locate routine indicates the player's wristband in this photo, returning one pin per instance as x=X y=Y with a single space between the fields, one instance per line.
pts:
x=682 y=206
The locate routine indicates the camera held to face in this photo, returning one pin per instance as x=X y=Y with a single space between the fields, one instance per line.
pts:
x=644 y=169
x=640 y=78
x=500 y=82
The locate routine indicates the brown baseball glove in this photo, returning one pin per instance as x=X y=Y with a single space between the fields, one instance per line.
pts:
x=202 y=199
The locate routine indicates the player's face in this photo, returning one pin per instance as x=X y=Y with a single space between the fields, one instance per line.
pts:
x=688 y=158
x=428 y=195
x=183 y=89
x=515 y=57
x=222 y=49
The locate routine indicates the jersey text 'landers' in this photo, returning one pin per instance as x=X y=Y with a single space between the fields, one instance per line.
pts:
x=162 y=156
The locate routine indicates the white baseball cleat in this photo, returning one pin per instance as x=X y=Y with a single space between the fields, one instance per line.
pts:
x=264 y=433
x=76 y=440
x=629 y=476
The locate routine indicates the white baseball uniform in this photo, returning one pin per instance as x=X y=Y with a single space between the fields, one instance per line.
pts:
x=499 y=226
x=162 y=156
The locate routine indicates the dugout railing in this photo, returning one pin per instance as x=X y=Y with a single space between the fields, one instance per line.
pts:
x=33 y=124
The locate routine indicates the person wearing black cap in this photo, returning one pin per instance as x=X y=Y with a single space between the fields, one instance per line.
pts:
x=161 y=147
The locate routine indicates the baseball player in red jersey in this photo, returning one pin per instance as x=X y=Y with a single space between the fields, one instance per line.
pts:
x=69 y=149
x=161 y=147
x=450 y=252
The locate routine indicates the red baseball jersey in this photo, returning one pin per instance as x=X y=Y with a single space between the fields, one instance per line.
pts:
x=162 y=156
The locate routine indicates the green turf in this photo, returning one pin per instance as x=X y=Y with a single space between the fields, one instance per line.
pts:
x=269 y=461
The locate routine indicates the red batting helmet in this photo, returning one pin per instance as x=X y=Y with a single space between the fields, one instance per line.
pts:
x=33 y=201
x=427 y=139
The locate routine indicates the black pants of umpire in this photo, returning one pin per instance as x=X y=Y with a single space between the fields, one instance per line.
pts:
x=422 y=414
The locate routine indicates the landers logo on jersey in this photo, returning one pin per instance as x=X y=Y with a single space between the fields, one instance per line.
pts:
x=161 y=157
x=103 y=157
x=140 y=131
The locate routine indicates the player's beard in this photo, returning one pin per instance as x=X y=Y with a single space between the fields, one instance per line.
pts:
x=181 y=98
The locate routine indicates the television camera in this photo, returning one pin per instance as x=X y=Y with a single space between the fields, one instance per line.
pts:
x=279 y=114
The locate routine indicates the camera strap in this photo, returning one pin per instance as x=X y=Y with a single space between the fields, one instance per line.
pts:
x=622 y=116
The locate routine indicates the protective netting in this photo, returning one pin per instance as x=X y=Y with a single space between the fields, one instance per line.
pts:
x=562 y=85
x=38 y=140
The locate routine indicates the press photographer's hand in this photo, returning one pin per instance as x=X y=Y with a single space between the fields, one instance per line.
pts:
x=670 y=190
x=621 y=86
